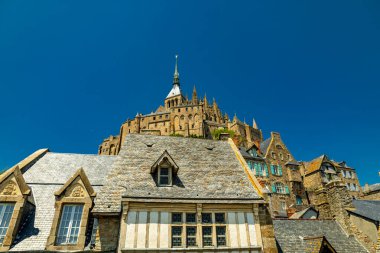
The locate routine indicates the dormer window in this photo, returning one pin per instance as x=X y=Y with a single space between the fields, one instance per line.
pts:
x=164 y=170
x=6 y=211
x=70 y=224
x=164 y=176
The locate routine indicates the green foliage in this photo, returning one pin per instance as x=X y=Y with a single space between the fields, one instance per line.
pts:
x=216 y=133
x=196 y=136
x=177 y=135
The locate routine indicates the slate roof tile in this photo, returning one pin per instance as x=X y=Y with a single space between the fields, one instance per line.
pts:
x=290 y=235
x=207 y=170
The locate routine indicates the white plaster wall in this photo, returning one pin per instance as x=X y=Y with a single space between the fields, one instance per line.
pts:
x=151 y=229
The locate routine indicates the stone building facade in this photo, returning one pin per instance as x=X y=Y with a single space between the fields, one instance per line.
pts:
x=334 y=201
x=195 y=117
x=371 y=192
x=159 y=194
x=284 y=179
x=323 y=170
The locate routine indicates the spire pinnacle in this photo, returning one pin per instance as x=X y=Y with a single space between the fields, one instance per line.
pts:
x=254 y=124
x=176 y=74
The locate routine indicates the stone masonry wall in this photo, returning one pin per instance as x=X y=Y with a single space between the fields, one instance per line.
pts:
x=267 y=230
x=108 y=233
x=332 y=202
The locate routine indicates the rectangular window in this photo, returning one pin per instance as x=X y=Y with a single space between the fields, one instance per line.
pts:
x=221 y=236
x=176 y=217
x=220 y=218
x=164 y=176
x=6 y=211
x=191 y=236
x=206 y=218
x=190 y=218
x=207 y=236
x=70 y=223
x=176 y=236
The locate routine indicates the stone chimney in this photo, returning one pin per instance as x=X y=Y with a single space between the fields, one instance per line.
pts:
x=332 y=202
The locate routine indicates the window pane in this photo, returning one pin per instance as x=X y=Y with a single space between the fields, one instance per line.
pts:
x=206 y=218
x=191 y=235
x=177 y=217
x=190 y=217
x=219 y=218
x=221 y=236
x=164 y=171
x=176 y=236
x=164 y=180
x=70 y=224
x=207 y=236
x=6 y=211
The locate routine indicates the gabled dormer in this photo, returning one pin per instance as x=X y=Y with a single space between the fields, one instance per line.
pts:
x=13 y=197
x=72 y=208
x=164 y=169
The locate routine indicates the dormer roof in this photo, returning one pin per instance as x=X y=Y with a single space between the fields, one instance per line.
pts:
x=164 y=158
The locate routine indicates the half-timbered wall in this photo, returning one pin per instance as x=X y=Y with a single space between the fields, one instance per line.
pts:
x=151 y=229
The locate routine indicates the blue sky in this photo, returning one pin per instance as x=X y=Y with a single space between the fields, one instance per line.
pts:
x=72 y=71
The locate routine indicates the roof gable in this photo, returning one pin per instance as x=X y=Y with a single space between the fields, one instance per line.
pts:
x=315 y=164
x=8 y=180
x=164 y=158
x=80 y=174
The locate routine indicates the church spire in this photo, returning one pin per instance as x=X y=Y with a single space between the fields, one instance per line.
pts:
x=195 y=97
x=176 y=74
x=254 y=124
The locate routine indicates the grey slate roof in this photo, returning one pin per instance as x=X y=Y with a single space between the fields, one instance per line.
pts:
x=299 y=215
x=207 y=170
x=290 y=235
x=45 y=176
x=34 y=233
x=367 y=208
x=244 y=153
x=57 y=168
x=264 y=145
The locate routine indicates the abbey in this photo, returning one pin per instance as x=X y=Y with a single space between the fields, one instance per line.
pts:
x=186 y=178
x=181 y=116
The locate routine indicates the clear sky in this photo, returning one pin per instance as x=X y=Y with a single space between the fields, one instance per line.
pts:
x=72 y=71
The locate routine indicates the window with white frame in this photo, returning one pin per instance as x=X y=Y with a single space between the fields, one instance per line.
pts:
x=70 y=224
x=164 y=176
x=6 y=211
x=279 y=187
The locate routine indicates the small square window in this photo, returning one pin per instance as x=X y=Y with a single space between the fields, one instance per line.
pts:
x=220 y=218
x=206 y=218
x=176 y=217
x=190 y=217
x=179 y=110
